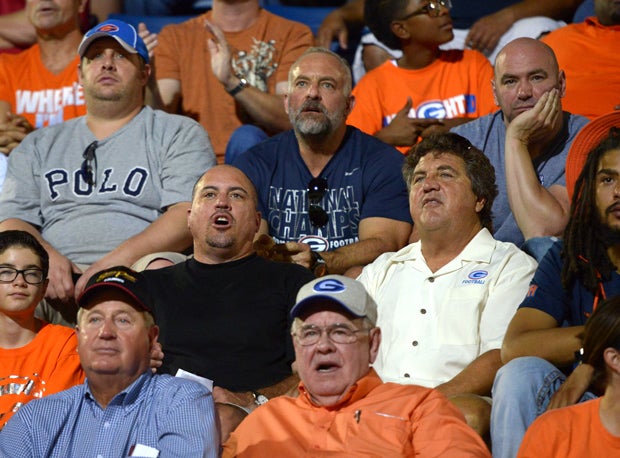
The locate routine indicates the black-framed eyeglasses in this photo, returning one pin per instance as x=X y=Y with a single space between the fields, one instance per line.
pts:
x=432 y=8
x=89 y=166
x=339 y=333
x=30 y=276
x=317 y=187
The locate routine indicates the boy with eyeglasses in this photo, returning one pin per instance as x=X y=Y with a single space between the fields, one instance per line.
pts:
x=426 y=90
x=478 y=24
x=36 y=358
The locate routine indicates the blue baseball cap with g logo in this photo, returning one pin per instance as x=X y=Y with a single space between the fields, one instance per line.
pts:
x=126 y=35
x=339 y=290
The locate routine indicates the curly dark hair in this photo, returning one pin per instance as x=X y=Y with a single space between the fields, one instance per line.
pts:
x=584 y=252
x=378 y=16
x=477 y=166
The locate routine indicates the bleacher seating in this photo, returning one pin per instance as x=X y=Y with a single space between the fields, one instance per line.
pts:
x=153 y=23
x=311 y=16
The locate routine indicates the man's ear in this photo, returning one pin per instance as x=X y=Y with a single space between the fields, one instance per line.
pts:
x=562 y=83
x=153 y=334
x=480 y=202
x=259 y=219
x=375 y=339
x=494 y=92
x=350 y=104
x=146 y=72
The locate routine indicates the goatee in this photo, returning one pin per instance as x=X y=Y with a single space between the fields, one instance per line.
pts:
x=609 y=236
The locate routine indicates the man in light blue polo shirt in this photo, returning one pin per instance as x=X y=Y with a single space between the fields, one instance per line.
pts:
x=122 y=409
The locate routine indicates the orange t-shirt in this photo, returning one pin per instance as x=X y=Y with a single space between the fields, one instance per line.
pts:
x=263 y=54
x=588 y=54
x=456 y=85
x=37 y=94
x=372 y=419
x=570 y=432
x=47 y=365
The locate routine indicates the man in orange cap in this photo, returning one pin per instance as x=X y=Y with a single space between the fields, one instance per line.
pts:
x=585 y=140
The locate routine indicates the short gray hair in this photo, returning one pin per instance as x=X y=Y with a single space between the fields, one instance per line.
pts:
x=348 y=78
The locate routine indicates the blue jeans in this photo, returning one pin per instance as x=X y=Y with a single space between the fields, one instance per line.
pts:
x=242 y=139
x=521 y=392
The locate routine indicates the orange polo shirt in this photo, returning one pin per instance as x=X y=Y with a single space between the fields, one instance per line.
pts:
x=373 y=419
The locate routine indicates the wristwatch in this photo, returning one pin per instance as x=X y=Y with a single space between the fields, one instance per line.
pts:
x=319 y=266
x=259 y=399
x=243 y=83
x=578 y=357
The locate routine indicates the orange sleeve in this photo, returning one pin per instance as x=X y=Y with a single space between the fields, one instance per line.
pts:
x=165 y=55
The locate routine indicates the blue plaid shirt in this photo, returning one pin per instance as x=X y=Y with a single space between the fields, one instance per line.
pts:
x=174 y=416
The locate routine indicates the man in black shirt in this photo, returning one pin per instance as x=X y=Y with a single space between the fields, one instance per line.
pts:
x=224 y=314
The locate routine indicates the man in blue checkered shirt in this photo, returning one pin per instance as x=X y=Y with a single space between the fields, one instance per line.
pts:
x=122 y=409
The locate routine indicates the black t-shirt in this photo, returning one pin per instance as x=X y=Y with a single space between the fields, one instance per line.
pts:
x=228 y=322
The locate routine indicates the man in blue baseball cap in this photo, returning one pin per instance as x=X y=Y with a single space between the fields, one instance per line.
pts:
x=112 y=186
x=125 y=34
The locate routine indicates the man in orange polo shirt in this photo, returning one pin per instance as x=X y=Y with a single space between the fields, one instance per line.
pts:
x=343 y=406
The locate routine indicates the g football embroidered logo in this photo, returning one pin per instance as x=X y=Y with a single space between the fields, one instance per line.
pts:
x=476 y=278
x=329 y=286
x=478 y=275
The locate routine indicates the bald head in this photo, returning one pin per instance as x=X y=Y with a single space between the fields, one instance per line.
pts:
x=525 y=69
x=527 y=48
x=227 y=171
x=223 y=218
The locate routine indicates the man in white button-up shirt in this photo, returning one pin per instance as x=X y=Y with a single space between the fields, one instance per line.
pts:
x=446 y=300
